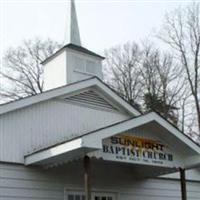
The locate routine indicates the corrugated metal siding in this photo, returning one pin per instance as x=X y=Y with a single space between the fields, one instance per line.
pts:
x=47 y=123
x=18 y=183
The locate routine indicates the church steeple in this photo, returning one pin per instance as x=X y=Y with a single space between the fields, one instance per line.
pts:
x=72 y=30
x=72 y=62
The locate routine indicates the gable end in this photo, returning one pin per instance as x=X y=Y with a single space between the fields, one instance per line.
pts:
x=91 y=99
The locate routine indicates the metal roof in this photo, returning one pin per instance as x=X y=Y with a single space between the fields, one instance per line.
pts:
x=75 y=48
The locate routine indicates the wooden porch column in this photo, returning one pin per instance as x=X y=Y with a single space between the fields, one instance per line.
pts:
x=183 y=184
x=87 y=178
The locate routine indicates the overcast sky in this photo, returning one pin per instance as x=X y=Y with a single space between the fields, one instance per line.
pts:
x=103 y=23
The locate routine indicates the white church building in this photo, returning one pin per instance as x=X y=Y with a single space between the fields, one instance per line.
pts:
x=80 y=141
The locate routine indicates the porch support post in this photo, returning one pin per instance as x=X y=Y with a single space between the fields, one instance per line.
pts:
x=87 y=177
x=183 y=184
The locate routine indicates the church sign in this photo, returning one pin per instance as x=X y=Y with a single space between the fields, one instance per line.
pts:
x=132 y=149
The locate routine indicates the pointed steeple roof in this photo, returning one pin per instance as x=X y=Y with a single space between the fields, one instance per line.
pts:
x=72 y=32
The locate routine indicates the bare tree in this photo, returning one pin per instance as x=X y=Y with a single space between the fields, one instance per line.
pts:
x=145 y=77
x=181 y=31
x=163 y=85
x=122 y=64
x=22 y=72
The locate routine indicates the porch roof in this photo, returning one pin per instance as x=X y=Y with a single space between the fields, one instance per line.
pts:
x=78 y=147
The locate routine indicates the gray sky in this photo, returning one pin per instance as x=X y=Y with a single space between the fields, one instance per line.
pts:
x=103 y=23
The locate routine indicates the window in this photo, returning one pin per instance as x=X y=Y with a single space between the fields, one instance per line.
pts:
x=97 y=197
x=75 y=196
x=78 y=195
x=103 y=196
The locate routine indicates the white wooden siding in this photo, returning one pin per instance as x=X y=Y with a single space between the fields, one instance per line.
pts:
x=48 y=123
x=18 y=183
x=158 y=189
x=55 y=72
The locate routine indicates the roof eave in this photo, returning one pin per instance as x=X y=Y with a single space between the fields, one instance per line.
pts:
x=63 y=90
x=70 y=47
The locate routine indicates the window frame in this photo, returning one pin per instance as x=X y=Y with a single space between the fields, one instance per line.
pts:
x=72 y=192
x=104 y=194
x=94 y=193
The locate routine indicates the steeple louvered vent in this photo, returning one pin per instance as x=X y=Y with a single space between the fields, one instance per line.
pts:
x=91 y=99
